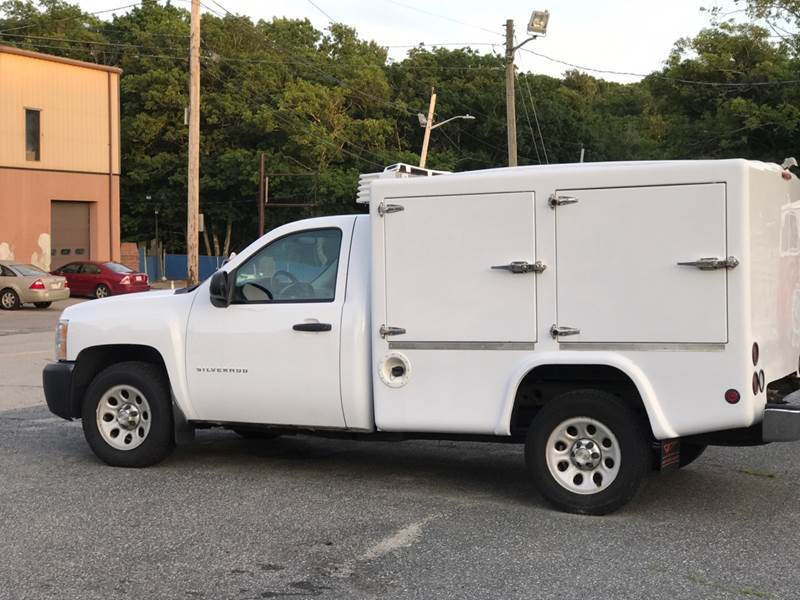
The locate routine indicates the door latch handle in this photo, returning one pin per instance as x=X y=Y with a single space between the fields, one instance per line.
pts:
x=312 y=327
x=556 y=200
x=557 y=331
x=521 y=266
x=711 y=264
x=387 y=331
x=385 y=209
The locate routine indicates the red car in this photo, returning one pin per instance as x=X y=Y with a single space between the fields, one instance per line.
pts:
x=100 y=279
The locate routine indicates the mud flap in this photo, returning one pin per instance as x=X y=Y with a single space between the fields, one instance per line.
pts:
x=669 y=452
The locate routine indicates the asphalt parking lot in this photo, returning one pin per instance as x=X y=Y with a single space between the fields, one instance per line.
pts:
x=305 y=517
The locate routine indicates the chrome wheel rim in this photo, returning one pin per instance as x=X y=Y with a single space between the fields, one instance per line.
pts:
x=583 y=455
x=8 y=300
x=123 y=417
x=101 y=292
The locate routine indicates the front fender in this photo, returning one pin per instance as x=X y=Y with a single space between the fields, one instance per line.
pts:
x=152 y=319
x=658 y=421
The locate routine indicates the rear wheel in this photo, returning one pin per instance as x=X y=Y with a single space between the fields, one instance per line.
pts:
x=587 y=452
x=9 y=299
x=102 y=291
x=42 y=304
x=127 y=415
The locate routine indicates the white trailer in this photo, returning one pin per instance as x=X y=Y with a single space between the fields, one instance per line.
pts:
x=611 y=316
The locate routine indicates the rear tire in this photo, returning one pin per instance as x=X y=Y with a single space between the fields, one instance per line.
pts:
x=102 y=291
x=587 y=452
x=127 y=415
x=42 y=304
x=9 y=300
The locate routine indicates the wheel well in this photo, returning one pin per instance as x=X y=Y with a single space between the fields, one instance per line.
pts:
x=542 y=384
x=92 y=360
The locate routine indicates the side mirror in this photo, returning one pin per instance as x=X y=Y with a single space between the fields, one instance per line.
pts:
x=219 y=291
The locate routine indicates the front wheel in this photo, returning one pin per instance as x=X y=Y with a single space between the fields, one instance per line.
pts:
x=587 y=452
x=42 y=304
x=127 y=415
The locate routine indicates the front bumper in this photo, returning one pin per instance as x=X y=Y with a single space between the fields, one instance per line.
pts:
x=57 y=383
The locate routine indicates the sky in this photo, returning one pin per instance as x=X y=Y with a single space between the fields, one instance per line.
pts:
x=618 y=35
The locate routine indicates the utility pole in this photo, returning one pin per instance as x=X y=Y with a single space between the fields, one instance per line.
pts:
x=262 y=201
x=193 y=207
x=428 y=124
x=536 y=27
x=511 y=112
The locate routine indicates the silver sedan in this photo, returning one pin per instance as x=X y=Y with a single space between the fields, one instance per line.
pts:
x=22 y=283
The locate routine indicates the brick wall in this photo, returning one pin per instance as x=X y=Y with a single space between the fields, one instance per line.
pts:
x=129 y=253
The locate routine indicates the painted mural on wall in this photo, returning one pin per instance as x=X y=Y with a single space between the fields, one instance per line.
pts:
x=6 y=251
x=42 y=259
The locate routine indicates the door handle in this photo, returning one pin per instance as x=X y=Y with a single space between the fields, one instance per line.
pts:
x=522 y=266
x=312 y=327
x=711 y=264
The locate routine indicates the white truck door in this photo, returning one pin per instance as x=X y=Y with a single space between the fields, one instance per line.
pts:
x=617 y=272
x=274 y=361
x=440 y=284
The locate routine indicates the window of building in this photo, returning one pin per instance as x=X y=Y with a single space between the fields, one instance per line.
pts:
x=32 y=145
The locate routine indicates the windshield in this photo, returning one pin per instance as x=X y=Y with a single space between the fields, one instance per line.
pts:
x=118 y=268
x=28 y=270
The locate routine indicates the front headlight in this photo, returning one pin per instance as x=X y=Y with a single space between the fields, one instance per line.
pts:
x=61 y=339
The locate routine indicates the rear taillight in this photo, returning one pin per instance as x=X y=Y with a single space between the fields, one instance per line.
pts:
x=732 y=396
x=146 y=279
x=125 y=280
x=37 y=285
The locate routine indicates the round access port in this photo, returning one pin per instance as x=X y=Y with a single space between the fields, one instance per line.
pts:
x=394 y=370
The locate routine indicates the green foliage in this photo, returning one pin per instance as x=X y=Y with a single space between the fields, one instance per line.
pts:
x=325 y=106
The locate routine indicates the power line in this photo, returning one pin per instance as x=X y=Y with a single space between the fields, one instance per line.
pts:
x=528 y=118
x=665 y=77
x=327 y=16
x=93 y=14
x=93 y=42
x=446 y=18
x=536 y=119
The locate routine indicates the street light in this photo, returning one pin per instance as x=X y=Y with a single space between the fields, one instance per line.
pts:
x=538 y=22
x=429 y=126
x=423 y=120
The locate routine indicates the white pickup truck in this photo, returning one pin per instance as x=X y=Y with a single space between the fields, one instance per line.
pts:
x=612 y=316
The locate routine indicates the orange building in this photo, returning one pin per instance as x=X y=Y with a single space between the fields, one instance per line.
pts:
x=59 y=159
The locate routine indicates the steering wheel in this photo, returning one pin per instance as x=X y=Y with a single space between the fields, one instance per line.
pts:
x=280 y=285
x=258 y=287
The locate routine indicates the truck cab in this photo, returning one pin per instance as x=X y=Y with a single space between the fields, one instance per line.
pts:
x=610 y=316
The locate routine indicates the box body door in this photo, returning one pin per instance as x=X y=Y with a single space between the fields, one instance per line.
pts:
x=617 y=274
x=440 y=284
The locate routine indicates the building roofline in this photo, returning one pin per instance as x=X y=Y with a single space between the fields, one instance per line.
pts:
x=59 y=59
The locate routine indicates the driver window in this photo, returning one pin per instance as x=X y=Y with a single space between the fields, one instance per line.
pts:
x=300 y=267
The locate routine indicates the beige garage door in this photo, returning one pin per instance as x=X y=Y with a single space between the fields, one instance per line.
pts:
x=69 y=232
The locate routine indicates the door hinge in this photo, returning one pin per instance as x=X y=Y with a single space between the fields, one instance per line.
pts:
x=557 y=331
x=711 y=264
x=384 y=209
x=556 y=200
x=522 y=266
x=387 y=331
